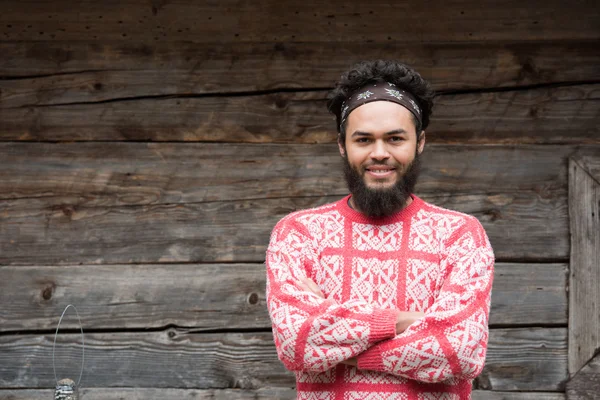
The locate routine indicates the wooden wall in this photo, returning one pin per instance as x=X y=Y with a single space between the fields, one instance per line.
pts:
x=147 y=148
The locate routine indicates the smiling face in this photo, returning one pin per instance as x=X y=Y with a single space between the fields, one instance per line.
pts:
x=380 y=148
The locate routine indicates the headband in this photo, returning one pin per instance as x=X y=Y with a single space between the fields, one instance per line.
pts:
x=379 y=91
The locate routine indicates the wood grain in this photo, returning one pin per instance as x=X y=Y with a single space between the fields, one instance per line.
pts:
x=136 y=174
x=584 y=293
x=517 y=353
x=586 y=383
x=55 y=72
x=108 y=203
x=226 y=296
x=528 y=359
x=231 y=394
x=285 y=21
x=567 y=114
x=589 y=161
x=519 y=229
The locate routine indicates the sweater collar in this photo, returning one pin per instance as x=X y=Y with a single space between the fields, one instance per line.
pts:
x=403 y=215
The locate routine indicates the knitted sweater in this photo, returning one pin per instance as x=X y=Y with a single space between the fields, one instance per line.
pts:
x=424 y=258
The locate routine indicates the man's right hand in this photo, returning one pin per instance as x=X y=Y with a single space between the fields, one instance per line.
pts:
x=405 y=319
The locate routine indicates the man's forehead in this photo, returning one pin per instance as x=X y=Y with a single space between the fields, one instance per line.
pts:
x=383 y=116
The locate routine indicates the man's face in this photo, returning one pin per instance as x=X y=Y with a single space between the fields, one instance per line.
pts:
x=380 y=150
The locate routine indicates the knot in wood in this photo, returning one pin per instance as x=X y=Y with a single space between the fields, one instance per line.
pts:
x=253 y=298
x=47 y=292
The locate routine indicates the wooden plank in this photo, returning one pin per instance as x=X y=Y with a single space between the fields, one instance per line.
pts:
x=590 y=163
x=55 y=72
x=520 y=229
x=529 y=294
x=237 y=20
x=514 y=356
x=135 y=174
x=182 y=203
x=584 y=292
x=529 y=359
x=230 y=394
x=230 y=296
x=586 y=383
x=568 y=114
x=493 y=395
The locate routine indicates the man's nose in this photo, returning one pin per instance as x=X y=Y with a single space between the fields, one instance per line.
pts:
x=380 y=151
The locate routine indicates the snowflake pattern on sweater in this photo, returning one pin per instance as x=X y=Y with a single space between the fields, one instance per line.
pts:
x=424 y=258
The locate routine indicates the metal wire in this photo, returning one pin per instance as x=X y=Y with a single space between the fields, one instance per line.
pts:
x=82 y=344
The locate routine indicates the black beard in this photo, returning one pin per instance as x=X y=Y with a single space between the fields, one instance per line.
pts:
x=377 y=203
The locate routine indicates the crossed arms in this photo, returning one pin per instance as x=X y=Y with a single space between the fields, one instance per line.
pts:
x=315 y=333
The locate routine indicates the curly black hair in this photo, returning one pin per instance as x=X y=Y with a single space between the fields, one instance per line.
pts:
x=391 y=71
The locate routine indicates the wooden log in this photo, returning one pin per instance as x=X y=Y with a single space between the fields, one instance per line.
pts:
x=523 y=290
x=136 y=174
x=230 y=394
x=236 y=20
x=586 y=383
x=150 y=210
x=54 y=72
x=589 y=161
x=226 y=296
x=584 y=292
x=493 y=395
x=515 y=354
x=529 y=359
x=519 y=229
x=546 y=115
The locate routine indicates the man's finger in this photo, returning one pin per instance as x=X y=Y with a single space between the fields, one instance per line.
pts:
x=310 y=286
x=314 y=287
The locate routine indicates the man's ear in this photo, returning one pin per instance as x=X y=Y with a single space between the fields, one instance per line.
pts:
x=341 y=146
x=421 y=142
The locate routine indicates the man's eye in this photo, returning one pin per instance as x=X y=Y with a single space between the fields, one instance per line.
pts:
x=396 y=138
x=363 y=140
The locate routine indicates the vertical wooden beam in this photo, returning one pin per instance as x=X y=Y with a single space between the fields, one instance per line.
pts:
x=584 y=282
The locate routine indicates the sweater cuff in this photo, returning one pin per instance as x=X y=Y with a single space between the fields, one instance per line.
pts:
x=383 y=325
x=369 y=360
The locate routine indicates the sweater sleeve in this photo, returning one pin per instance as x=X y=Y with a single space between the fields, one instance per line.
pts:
x=311 y=333
x=450 y=341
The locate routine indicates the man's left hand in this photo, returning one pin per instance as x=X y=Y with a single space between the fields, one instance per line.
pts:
x=308 y=285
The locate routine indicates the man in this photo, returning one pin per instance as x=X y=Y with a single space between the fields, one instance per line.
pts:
x=380 y=295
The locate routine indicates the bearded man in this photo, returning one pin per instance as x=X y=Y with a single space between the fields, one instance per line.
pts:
x=380 y=295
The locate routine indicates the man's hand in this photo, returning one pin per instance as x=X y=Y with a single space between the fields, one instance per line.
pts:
x=405 y=319
x=308 y=285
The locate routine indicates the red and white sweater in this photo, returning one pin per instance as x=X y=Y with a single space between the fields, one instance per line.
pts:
x=424 y=258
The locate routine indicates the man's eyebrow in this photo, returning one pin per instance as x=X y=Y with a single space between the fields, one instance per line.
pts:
x=394 y=132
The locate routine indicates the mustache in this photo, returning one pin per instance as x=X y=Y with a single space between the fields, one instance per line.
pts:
x=394 y=165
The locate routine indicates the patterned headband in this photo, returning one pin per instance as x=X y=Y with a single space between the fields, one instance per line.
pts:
x=379 y=91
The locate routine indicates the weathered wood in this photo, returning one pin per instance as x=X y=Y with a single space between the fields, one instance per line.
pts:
x=584 y=291
x=66 y=72
x=219 y=296
x=276 y=20
x=566 y=114
x=231 y=394
x=493 y=395
x=518 y=359
x=589 y=162
x=134 y=174
x=529 y=294
x=182 y=202
x=520 y=227
x=514 y=356
x=586 y=383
